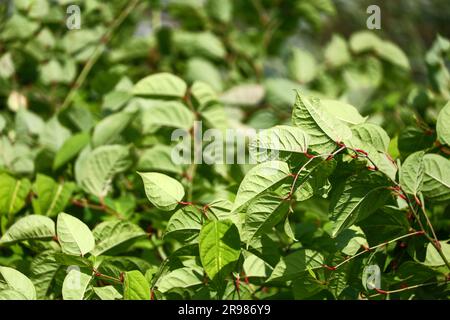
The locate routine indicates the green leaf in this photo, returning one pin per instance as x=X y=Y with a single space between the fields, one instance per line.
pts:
x=95 y=170
x=32 y=227
x=302 y=66
x=74 y=236
x=107 y=293
x=43 y=270
x=221 y=10
x=296 y=264
x=158 y=158
x=180 y=278
x=343 y=111
x=268 y=143
x=111 y=234
x=52 y=196
x=412 y=173
x=372 y=134
x=350 y=240
x=354 y=200
x=70 y=149
x=243 y=95
x=258 y=180
x=135 y=286
x=433 y=258
x=324 y=129
x=184 y=224
x=13 y=194
x=171 y=114
x=336 y=52
x=443 y=125
x=75 y=285
x=18 y=282
x=109 y=128
x=392 y=53
x=436 y=180
x=160 y=85
x=262 y=214
x=162 y=191
x=219 y=246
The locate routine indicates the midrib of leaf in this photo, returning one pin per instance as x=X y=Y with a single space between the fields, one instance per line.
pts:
x=58 y=192
x=76 y=242
x=219 y=257
x=13 y=198
x=437 y=179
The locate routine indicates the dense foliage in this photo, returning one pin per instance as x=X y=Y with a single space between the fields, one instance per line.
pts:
x=349 y=167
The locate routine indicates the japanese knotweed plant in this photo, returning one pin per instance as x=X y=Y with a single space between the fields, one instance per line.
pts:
x=269 y=236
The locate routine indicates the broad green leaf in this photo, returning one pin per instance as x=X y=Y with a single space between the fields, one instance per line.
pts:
x=158 y=158
x=203 y=94
x=280 y=92
x=343 y=111
x=364 y=41
x=160 y=85
x=219 y=246
x=243 y=95
x=306 y=286
x=324 y=129
x=111 y=234
x=52 y=196
x=372 y=134
x=350 y=240
x=221 y=10
x=185 y=223
x=75 y=285
x=32 y=227
x=337 y=52
x=10 y=294
x=74 y=236
x=171 y=114
x=392 y=53
x=107 y=293
x=295 y=264
x=412 y=173
x=433 y=258
x=162 y=191
x=205 y=77
x=254 y=266
x=258 y=180
x=135 y=286
x=70 y=149
x=205 y=44
x=302 y=66
x=17 y=281
x=268 y=143
x=109 y=128
x=436 y=180
x=355 y=200
x=262 y=214
x=180 y=278
x=443 y=125
x=43 y=270
x=13 y=194
x=96 y=169
x=54 y=135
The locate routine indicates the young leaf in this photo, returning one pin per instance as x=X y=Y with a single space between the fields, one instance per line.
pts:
x=135 y=286
x=412 y=173
x=219 y=246
x=75 y=285
x=74 y=236
x=32 y=227
x=160 y=85
x=18 y=282
x=162 y=191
